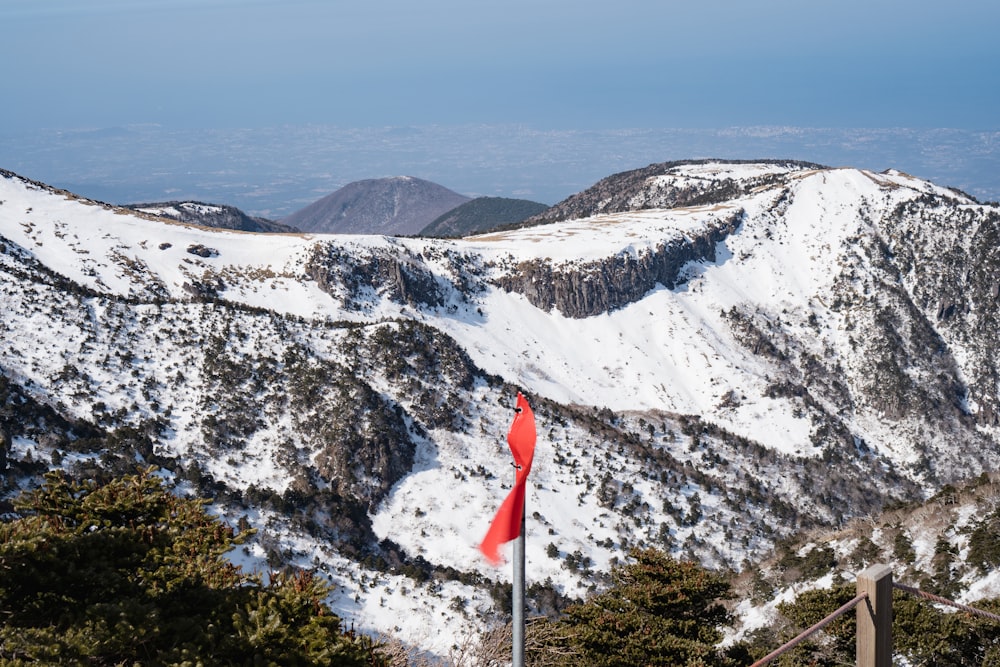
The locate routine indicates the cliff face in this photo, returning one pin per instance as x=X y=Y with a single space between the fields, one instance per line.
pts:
x=359 y=278
x=584 y=289
x=576 y=289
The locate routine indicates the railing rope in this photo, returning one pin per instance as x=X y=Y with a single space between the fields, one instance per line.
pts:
x=945 y=601
x=874 y=620
x=802 y=636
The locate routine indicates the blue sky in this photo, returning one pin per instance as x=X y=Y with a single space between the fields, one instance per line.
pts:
x=546 y=63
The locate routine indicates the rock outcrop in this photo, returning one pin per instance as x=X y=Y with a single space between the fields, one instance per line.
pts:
x=579 y=289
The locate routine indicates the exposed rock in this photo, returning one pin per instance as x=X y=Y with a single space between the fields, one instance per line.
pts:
x=202 y=251
x=587 y=289
x=356 y=279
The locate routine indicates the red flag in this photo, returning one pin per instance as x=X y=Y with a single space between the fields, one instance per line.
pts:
x=506 y=524
x=521 y=437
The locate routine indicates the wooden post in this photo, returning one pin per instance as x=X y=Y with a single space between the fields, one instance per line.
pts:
x=875 y=617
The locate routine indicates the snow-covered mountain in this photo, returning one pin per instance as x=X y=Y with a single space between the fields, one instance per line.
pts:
x=775 y=346
x=211 y=215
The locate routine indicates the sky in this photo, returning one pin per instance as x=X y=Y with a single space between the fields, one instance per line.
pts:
x=269 y=105
x=559 y=64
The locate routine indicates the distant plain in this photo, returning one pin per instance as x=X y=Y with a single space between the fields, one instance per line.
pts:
x=275 y=171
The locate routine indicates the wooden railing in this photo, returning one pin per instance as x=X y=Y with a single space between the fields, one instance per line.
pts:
x=874 y=615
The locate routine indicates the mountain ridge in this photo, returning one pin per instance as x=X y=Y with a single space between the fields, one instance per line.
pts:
x=822 y=349
x=481 y=215
x=638 y=189
x=211 y=215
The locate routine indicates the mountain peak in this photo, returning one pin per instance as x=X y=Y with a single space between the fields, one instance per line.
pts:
x=671 y=184
x=211 y=215
x=398 y=205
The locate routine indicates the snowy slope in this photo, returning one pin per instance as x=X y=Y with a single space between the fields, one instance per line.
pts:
x=740 y=400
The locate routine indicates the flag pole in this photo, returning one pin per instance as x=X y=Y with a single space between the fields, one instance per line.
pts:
x=507 y=526
x=517 y=604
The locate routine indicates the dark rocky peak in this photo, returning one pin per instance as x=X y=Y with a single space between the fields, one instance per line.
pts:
x=211 y=215
x=670 y=185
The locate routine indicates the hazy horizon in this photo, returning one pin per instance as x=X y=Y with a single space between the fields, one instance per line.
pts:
x=273 y=172
x=268 y=103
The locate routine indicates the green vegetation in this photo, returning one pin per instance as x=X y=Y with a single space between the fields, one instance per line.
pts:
x=126 y=572
x=658 y=611
x=984 y=544
x=129 y=573
x=922 y=633
x=481 y=214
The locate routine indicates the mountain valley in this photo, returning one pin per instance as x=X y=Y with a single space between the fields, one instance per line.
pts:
x=721 y=356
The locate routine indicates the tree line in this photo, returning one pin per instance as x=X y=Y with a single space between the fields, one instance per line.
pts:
x=126 y=572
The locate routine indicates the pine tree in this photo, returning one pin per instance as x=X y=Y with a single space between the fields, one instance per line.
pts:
x=658 y=611
x=129 y=573
x=834 y=645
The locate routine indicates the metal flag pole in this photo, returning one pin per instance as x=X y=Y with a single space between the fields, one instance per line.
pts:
x=517 y=604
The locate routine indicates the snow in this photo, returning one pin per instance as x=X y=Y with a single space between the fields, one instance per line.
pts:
x=669 y=351
x=568 y=360
x=598 y=236
x=165 y=211
x=665 y=346
x=672 y=351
